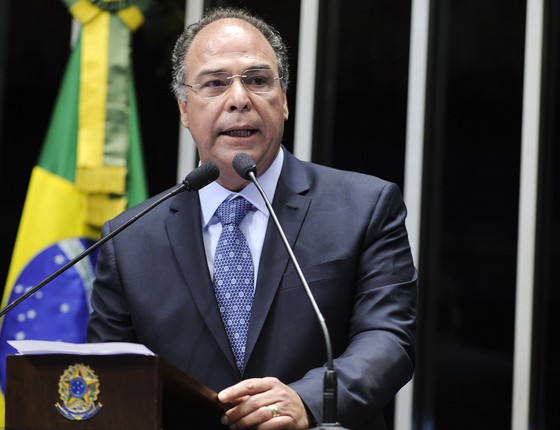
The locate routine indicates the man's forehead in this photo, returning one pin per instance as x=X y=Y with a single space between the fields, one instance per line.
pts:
x=231 y=26
x=229 y=38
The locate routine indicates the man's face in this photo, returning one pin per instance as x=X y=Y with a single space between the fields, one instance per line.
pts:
x=238 y=120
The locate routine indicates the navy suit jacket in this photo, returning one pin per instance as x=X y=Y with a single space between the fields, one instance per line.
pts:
x=348 y=233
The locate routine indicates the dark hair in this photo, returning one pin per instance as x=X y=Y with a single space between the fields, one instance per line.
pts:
x=185 y=40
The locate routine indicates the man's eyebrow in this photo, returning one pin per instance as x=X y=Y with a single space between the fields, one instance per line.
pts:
x=260 y=66
x=222 y=70
x=211 y=71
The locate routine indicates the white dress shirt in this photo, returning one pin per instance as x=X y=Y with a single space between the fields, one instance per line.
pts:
x=253 y=225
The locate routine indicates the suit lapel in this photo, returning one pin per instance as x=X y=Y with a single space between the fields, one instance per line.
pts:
x=184 y=230
x=291 y=209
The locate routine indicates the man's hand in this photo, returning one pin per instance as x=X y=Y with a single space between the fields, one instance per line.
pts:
x=263 y=403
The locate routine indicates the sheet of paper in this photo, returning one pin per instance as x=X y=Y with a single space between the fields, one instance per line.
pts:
x=34 y=347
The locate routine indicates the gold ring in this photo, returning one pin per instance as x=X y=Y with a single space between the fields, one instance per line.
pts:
x=275 y=411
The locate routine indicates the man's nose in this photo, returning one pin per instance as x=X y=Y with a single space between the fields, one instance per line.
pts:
x=238 y=95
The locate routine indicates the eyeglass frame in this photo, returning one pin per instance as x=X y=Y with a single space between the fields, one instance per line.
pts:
x=231 y=79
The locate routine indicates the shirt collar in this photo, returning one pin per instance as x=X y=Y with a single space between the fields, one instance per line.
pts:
x=214 y=194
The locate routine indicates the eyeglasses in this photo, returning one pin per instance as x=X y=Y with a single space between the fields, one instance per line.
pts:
x=212 y=85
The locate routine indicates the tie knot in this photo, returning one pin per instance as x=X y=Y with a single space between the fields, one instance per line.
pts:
x=233 y=211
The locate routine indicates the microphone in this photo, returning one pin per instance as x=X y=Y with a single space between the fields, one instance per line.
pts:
x=194 y=181
x=247 y=169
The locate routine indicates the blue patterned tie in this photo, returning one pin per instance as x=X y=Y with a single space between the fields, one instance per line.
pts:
x=233 y=276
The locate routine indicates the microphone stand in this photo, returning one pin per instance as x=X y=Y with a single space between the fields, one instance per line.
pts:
x=330 y=379
x=198 y=178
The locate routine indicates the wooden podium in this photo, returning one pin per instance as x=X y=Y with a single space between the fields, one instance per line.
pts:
x=133 y=392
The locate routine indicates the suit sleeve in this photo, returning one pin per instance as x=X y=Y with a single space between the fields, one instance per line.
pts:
x=379 y=357
x=110 y=319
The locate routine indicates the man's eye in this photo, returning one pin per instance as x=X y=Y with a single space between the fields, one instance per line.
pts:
x=256 y=81
x=213 y=83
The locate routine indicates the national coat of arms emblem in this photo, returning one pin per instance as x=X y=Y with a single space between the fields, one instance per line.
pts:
x=78 y=388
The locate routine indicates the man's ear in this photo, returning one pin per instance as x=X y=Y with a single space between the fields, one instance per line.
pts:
x=285 y=108
x=183 y=110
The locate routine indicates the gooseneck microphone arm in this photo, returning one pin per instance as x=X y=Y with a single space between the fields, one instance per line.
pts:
x=194 y=181
x=247 y=169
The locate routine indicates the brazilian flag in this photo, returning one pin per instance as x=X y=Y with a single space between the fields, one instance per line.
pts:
x=89 y=170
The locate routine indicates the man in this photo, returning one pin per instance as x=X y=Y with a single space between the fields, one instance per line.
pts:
x=159 y=283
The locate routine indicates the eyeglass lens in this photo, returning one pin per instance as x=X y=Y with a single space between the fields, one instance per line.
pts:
x=215 y=84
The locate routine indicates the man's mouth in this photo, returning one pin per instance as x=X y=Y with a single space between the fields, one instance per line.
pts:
x=239 y=133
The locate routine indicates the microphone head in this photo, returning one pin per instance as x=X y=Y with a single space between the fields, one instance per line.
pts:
x=243 y=165
x=201 y=176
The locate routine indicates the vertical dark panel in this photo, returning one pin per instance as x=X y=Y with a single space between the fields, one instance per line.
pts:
x=469 y=232
x=327 y=83
x=361 y=91
x=545 y=413
x=431 y=218
x=4 y=27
